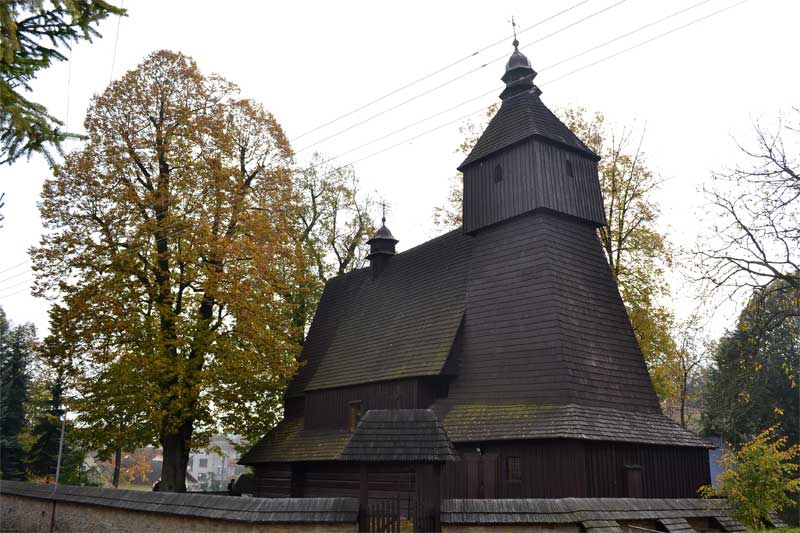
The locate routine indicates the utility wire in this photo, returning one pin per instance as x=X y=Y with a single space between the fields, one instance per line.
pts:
x=116 y=41
x=499 y=88
x=14 y=267
x=437 y=71
x=584 y=67
x=455 y=79
x=659 y=36
x=12 y=277
x=427 y=132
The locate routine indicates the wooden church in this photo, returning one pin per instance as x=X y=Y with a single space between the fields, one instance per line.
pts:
x=504 y=345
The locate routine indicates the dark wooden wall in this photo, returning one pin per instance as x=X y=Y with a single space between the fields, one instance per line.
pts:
x=549 y=468
x=567 y=468
x=330 y=408
x=545 y=321
x=320 y=480
x=534 y=176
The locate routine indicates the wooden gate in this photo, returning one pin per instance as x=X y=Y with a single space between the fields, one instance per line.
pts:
x=384 y=516
x=422 y=517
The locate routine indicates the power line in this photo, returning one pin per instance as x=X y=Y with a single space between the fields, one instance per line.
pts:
x=121 y=254
x=437 y=71
x=12 y=277
x=498 y=88
x=13 y=267
x=116 y=40
x=427 y=132
x=584 y=67
x=453 y=80
x=592 y=15
x=691 y=23
x=13 y=293
x=628 y=34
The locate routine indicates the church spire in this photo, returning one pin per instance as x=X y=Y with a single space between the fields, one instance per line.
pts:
x=519 y=74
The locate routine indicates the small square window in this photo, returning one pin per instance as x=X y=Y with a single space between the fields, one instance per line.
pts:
x=514 y=468
x=203 y=463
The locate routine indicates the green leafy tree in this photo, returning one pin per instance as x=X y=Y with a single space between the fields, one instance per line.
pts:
x=170 y=240
x=17 y=345
x=753 y=380
x=759 y=478
x=34 y=34
x=108 y=419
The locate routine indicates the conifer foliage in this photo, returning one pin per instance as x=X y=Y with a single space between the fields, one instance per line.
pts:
x=46 y=433
x=34 y=34
x=16 y=351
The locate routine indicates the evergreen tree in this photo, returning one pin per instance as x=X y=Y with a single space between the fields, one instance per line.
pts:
x=753 y=382
x=43 y=455
x=16 y=347
x=34 y=34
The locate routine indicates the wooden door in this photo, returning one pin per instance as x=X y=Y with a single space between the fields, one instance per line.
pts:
x=489 y=475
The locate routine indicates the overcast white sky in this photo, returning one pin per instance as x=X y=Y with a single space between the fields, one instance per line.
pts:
x=310 y=62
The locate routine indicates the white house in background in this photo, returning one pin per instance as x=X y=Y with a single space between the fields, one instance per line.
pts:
x=213 y=470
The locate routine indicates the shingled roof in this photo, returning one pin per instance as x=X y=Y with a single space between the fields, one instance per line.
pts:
x=600 y=513
x=289 y=441
x=522 y=116
x=400 y=435
x=471 y=422
x=382 y=435
x=398 y=325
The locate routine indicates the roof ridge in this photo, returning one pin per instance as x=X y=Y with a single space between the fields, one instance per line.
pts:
x=402 y=253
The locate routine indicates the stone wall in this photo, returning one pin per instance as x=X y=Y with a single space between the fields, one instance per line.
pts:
x=27 y=507
x=24 y=514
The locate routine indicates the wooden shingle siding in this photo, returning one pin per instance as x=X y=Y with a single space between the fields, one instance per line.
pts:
x=545 y=321
x=519 y=118
x=675 y=525
x=581 y=510
x=534 y=177
x=290 y=441
x=401 y=324
x=399 y=436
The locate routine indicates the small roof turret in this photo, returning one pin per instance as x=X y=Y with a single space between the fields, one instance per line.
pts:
x=382 y=243
x=381 y=247
x=519 y=74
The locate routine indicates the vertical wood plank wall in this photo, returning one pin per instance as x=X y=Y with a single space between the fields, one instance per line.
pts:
x=533 y=176
x=330 y=408
x=550 y=469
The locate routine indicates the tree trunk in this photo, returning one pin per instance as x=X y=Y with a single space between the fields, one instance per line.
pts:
x=175 y=449
x=117 y=467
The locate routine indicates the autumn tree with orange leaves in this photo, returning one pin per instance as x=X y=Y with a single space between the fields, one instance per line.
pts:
x=169 y=244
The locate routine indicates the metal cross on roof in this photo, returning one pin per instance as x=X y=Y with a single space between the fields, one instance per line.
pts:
x=514 y=28
x=384 y=207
